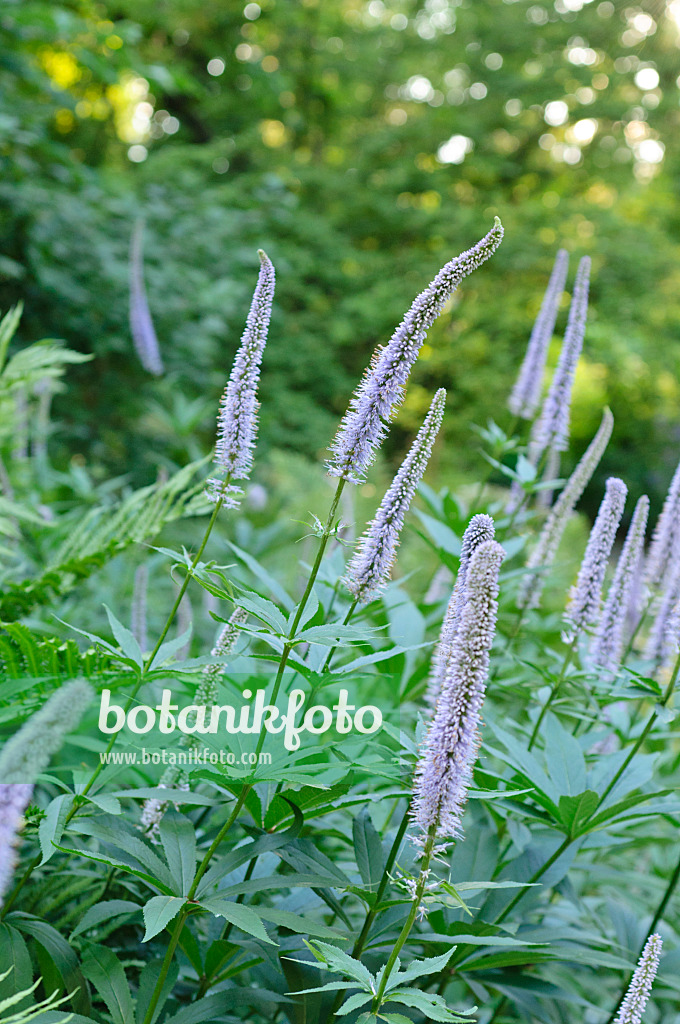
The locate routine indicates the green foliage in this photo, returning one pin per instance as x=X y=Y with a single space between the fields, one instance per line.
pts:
x=319 y=140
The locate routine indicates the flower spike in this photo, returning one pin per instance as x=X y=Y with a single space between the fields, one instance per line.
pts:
x=364 y=425
x=527 y=390
x=237 y=419
x=369 y=569
x=449 y=752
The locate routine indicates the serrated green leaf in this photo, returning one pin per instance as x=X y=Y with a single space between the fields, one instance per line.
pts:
x=178 y=839
x=241 y=917
x=158 y=912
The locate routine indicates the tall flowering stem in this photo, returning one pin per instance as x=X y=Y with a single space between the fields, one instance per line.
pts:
x=247 y=786
x=445 y=765
x=545 y=549
x=551 y=429
x=479 y=530
x=585 y=598
x=23 y=758
x=640 y=987
x=584 y=604
x=245 y=372
x=666 y=536
x=369 y=569
x=608 y=643
x=382 y=389
x=526 y=393
x=237 y=419
x=141 y=324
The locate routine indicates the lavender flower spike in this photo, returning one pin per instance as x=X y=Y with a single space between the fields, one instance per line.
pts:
x=666 y=536
x=585 y=597
x=141 y=324
x=364 y=425
x=662 y=642
x=237 y=419
x=25 y=756
x=369 y=569
x=526 y=393
x=641 y=983
x=608 y=642
x=543 y=554
x=551 y=429
x=445 y=765
x=480 y=529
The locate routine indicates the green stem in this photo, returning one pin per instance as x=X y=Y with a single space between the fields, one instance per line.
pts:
x=553 y=692
x=645 y=732
x=408 y=923
x=373 y=912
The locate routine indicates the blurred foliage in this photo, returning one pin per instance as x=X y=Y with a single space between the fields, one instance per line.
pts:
x=321 y=131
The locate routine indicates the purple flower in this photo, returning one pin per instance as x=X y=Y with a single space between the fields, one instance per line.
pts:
x=141 y=324
x=585 y=597
x=551 y=429
x=662 y=642
x=527 y=390
x=237 y=419
x=666 y=536
x=369 y=569
x=445 y=765
x=608 y=642
x=640 y=987
x=480 y=529
x=364 y=425
x=543 y=553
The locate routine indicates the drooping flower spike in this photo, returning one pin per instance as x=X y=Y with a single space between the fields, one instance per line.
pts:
x=450 y=749
x=237 y=419
x=25 y=756
x=141 y=324
x=364 y=425
x=526 y=393
x=545 y=549
x=640 y=987
x=480 y=529
x=369 y=569
x=666 y=536
x=586 y=596
x=608 y=642
x=551 y=429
